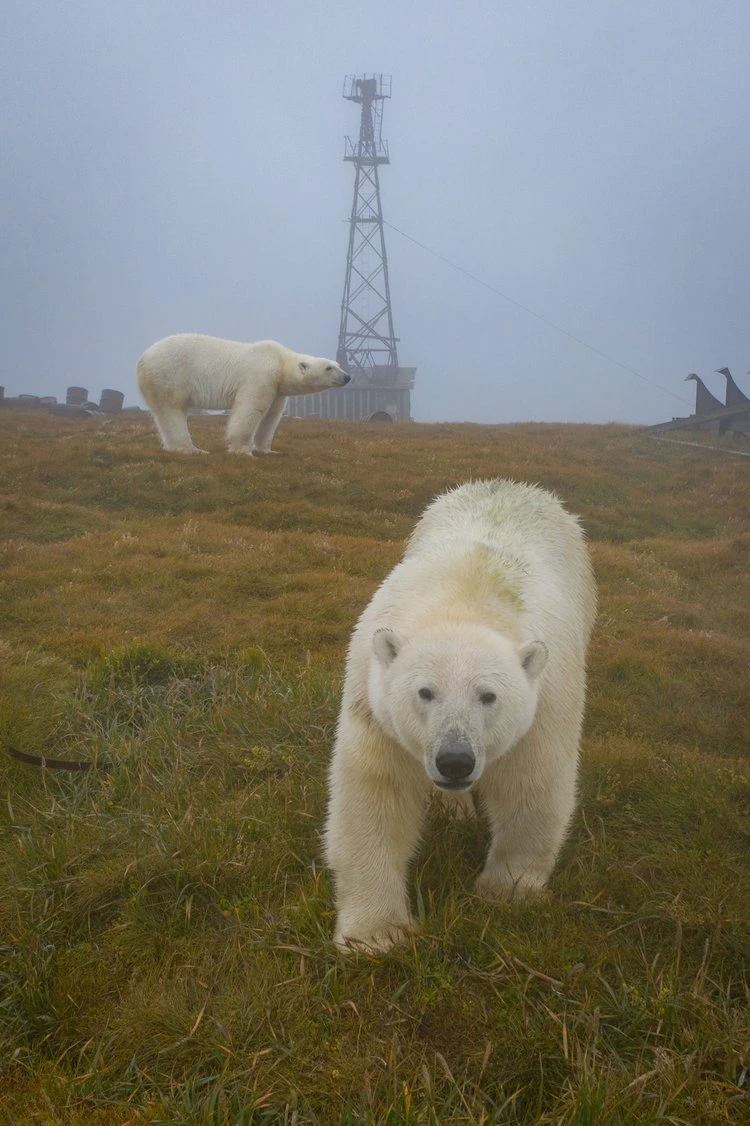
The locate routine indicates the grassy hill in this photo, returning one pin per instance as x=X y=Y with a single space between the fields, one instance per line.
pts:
x=165 y=920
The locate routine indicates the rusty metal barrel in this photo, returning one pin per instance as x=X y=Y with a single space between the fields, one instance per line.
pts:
x=111 y=401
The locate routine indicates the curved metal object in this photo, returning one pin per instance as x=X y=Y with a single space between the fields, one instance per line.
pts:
x=704 y=400
x=734 y=397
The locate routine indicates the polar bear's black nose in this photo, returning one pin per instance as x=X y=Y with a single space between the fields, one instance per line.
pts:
x=346 y=379
x=455 y=759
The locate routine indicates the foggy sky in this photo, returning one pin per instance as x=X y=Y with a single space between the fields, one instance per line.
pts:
x=177 y=167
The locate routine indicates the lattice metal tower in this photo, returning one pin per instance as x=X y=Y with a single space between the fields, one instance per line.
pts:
x=367 y=344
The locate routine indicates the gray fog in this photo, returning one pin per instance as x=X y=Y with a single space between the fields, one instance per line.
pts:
x=177 y=167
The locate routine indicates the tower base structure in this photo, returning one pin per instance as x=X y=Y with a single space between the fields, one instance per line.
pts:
x=379 y=394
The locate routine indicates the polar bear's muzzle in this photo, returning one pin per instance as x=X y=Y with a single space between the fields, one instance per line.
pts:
x=455 y=762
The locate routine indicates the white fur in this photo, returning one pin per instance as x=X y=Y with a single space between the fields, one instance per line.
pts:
x=251 y=381
x=489 y=613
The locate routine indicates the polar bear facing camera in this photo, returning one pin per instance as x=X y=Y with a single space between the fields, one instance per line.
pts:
x=465 y=674
x=251 y=381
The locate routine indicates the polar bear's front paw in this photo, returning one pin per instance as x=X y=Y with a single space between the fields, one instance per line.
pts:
x=374 y=939
x=499 y=883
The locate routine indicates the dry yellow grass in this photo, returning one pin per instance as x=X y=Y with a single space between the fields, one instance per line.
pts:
x=165 y=924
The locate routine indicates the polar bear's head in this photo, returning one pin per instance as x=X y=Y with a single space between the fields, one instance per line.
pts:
x=456 y=698
x=318 y=374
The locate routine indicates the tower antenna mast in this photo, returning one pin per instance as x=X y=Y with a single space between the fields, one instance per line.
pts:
x=367 y=344
x=380 y=390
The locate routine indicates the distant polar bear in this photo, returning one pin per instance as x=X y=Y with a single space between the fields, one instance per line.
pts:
x=467 y=669
x=252 y=381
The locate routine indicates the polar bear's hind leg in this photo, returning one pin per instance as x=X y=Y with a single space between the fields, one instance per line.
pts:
x=171 y=422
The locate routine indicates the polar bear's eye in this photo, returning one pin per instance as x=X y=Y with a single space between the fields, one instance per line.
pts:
x=487 y=698
x=426 y=694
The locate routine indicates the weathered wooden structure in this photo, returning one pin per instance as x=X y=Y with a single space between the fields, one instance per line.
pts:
x=729 y=417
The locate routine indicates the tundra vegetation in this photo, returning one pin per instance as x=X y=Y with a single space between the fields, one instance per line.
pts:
x=165 y=920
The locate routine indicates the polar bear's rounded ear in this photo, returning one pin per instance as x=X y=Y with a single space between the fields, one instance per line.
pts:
x=303 y=365
x=386 y=646
x=533 y=658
